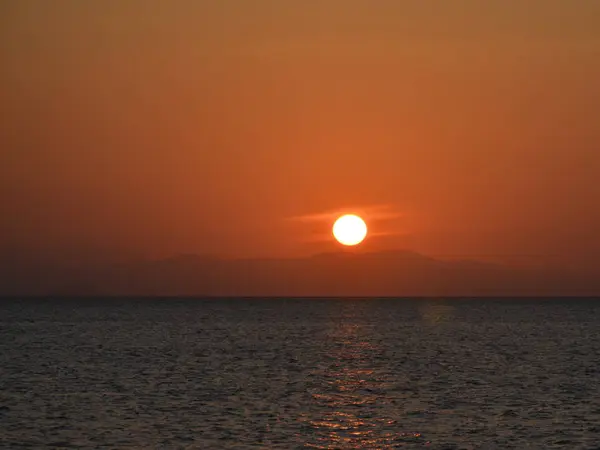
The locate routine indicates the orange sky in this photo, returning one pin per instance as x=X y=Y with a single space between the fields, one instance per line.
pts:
x=226 y=127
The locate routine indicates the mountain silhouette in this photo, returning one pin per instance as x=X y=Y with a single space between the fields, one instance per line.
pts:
x=390 y=273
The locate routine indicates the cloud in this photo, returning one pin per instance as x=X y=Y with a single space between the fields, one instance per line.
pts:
x=370 y=213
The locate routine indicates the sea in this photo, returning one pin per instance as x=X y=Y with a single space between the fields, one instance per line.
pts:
x=284 y=373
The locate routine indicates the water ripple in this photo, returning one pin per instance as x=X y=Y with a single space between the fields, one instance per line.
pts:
x=286 y=374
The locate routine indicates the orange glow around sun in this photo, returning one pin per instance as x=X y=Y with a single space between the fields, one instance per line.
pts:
x=350 y=230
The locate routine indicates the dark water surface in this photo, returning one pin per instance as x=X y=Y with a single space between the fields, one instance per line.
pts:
x=439 y=374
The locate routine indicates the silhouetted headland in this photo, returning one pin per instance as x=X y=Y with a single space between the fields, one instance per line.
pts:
x=390 y=273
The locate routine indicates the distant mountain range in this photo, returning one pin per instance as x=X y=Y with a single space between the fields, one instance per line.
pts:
x=393 y=273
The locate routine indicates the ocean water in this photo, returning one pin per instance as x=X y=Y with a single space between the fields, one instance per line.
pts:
x=300 y=373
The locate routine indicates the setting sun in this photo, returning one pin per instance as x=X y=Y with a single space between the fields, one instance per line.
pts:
x=350 y=230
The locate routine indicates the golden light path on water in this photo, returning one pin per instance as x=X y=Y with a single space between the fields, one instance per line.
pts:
x=359 y=402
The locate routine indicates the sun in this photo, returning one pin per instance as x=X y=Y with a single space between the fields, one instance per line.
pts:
x=349 y=230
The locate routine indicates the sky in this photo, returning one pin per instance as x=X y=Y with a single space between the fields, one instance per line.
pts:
x=241 y=128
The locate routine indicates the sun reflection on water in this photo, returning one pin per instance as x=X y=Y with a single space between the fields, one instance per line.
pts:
x=351 y=404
